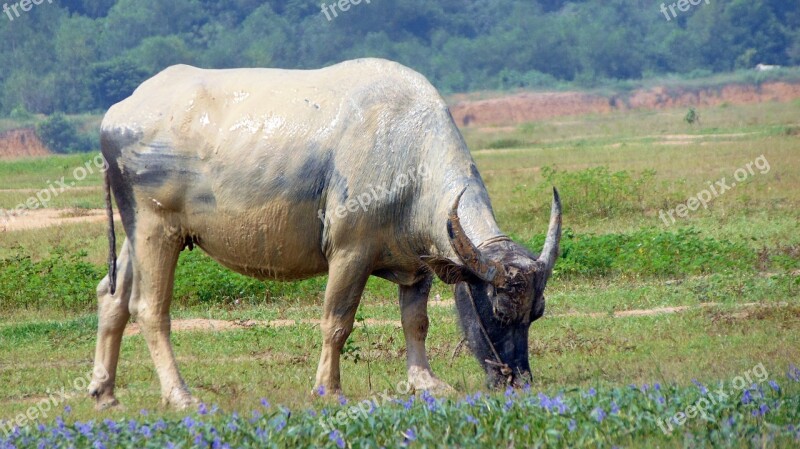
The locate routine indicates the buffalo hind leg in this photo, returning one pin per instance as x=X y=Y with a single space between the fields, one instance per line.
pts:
x=112 y=317
x=346 y=280
x=156 y=250
x=414 y=317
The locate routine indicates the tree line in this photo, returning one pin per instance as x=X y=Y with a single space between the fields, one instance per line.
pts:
x=76 y=56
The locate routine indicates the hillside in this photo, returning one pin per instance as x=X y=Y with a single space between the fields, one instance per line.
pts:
x=21 y=142
x=534 y=106
x=84 y=55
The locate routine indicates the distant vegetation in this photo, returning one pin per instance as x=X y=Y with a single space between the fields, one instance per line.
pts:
x=77 y=56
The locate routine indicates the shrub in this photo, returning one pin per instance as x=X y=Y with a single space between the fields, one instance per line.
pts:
x=599 y=192
x=648 y=252
x=62 y=136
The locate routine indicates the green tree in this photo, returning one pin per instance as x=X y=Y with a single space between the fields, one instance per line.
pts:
x=113 y=81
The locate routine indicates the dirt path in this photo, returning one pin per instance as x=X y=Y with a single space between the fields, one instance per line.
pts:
x=43 y=218
x=209 y=325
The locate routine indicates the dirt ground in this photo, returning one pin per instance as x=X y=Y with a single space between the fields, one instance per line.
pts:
x=532 y=106
x=21 y=143
x=42 y=218
x=208 y=325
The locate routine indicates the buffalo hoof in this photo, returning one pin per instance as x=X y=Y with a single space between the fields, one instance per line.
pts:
x=180 y=399
x=108 y=403
x=104 y=398
x=424 y=380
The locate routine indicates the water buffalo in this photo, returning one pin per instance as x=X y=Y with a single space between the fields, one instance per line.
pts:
x=352 y=170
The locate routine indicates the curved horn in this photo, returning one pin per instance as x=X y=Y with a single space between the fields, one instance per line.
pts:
x=488 y=270
x=550 y=250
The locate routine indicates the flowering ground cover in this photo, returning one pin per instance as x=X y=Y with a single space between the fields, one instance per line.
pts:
x=728 y=414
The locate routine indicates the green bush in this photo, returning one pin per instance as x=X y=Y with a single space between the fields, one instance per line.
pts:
x=61 y=135
x=63 y=281
x=648 y=252
x=598 y=192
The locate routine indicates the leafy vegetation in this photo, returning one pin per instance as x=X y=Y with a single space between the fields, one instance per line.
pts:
x=755 y=413
x=82 y=55
x=62 y=136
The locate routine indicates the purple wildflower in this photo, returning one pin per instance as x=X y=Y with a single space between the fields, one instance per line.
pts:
x=430 y=401
x=321 y=390
x=794 y=373
x=703 y=389
x=572 y=425
x=336 y=437
x=202 y=409
x=67 y=409
x=592 y=392
x=471 y=399
x=774 y=385
x=342 y=400
x=657 y=386
x=264 y=403
x=747 y=397
x=471 y=419
x=410 y=435
x=145 y=431
x=599 y=414
x=614 y=408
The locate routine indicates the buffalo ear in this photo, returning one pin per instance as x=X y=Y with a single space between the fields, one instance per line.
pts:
x=449 y=271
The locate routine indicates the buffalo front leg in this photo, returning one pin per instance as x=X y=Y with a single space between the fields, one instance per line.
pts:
x=347 y=277
x=156 y=256
x=112 y=317
x=414 y=317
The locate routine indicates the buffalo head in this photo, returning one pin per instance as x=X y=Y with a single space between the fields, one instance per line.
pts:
x=500 y=294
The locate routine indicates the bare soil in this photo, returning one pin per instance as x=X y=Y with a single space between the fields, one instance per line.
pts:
x=22 y=142
x=532 y=106
x=42 y=218
x=208 y=325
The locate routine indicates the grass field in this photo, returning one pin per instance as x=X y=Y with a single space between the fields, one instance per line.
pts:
x=734 y=267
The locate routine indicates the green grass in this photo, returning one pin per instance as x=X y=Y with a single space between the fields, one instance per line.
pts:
x=615 y=173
